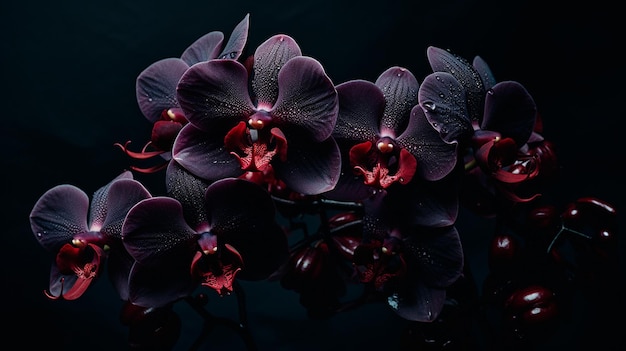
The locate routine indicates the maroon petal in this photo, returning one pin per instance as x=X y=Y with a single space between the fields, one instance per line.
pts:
x=154 y=228
x=205 y=48
x=436 y=254
x=399 y=86
x=161 y=282
x=213 y=92
x=361 y=106
x=203 y=153
x=119 y=264
x=306 y=100
x=435 y=158
x=237 y=41
x=510 y=110
x=58 y=215
x=441 y=97
x=485 y=73
x=269 y=58
x=444 y=61
x=74 y=271
x=156 y=87
x=123 y=194
x=311 y=168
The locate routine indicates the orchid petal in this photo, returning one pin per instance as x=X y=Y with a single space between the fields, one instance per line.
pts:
x=215 y=91
x=99 y=203
x=203 y=153
x=418 y=302
x=269 y=58
x=237 y=41
x=156 y=87
x=441 y=97
x=189 y=190
x=399 y=86
x=161 y=282
x=205 y=48
x=444 y=61
x=435 y=158
x=58 y=215
x=306 y=100
x=510 y=110
x=437 y=255
x=485 y=73
x=122 y=195
x=154 y=228
x=119 y=264
x=361 y=105
x=311 y=168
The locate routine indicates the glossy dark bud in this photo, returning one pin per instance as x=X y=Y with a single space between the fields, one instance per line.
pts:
x=305 y=265
x=532 y=305
x=503 y=252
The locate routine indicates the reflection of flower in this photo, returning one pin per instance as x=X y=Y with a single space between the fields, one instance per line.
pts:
x=234 y=235
x=156 y=90
x=284 y=120
x=64 y=221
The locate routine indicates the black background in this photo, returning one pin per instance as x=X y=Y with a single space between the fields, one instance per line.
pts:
x=68 y=80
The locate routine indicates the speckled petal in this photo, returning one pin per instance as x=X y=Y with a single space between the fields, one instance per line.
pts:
x=122 y=195
x=189 y=190
x=399 y=86
x=203 y=153
x=442 y=98
x=58 y=215
x=155 y=227
x=435 y=158
x=307 y=100
x=444 y=61
x=361 y=106
x=483 y=69
x=269 y=58
x=237 y=41
x=205 y=48
x=437 y=254
x=155 y=87
x=311 y=168
x=99 y=203
x=213 y=91
x=510 y=110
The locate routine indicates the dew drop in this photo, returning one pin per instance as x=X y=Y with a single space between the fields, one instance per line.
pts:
x=430 y=105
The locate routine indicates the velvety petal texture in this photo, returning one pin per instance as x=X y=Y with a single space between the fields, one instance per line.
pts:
x=511 y=111
x=361 y=105
x=269 y=58
x=307 y=101
x=156 y=87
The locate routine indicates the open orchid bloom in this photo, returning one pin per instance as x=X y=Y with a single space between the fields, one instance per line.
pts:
x=412 y=264
x=236 y=237
x=81 y=232
x=156 y=91
x=279 y=114
x=385 y=136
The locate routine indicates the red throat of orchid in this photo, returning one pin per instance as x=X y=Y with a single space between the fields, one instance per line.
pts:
x=255 y=143
x=217 y=269
x=383 y=163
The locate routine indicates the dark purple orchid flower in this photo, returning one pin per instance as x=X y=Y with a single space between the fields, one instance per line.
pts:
x=411 y=264
x=231 y=233
x=81 y=233
x=156 y=90
x=385 y=136
x=279 y=114
x=504 y=137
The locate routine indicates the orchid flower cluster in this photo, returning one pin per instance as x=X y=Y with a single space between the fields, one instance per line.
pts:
x=251 y=144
